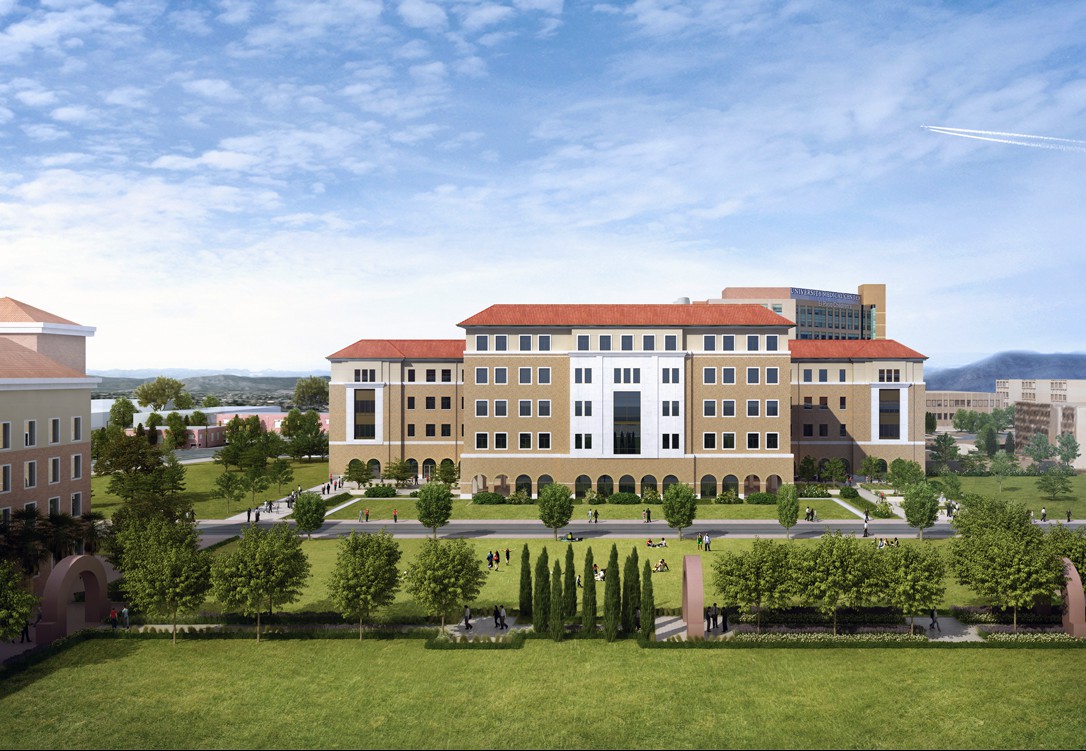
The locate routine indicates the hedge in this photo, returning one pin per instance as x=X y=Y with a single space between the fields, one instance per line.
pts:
x=847 y=492
x=380 y=491
x=624 y=499
x=488 y=498
x=762 y=499
x=811 y=490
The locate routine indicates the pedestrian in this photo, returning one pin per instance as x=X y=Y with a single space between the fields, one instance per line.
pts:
x=705 y=542
x=113 y=618
x=256 y=516
x=497 y=559
x=24 y=635
x=699 y=540
x=1031 y=517
x=866 y=517
x=596 y=516
x=708 y=618
x=367 y=515
x=489 y=560
x=1044 y=514
x=589 y=516
x=714 y=613
x=865 y=528
x=395 y=517
x=497 y=618
x=935 y=620
x=807 y=513
x=507 y=552
x=248 y=515
x=723 y=620
x=124 y=618
x=1068 y=516
x=648 y=513
x=361 y=513
x=579 y=585
x=637 y=618
x=467 y=618
x=501 y=615
x=643 y=517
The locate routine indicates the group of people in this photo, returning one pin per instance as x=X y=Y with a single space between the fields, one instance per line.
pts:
x=494 y=558
x=661 y=565
x=661 y=544
x=704 y=542
x=714 y=616
x=882 y=542
x=646 y=515
x=121 y=619
x=593 y=516
x=809 y=514
x=499 y=618
x=599 y=574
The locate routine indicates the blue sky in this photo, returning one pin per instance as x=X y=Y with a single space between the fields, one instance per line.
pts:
x=255 y=185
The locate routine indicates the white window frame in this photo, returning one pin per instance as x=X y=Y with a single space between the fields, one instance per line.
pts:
x=520 y=442
x=504 y=407
x=772 y=376
x=541 y=439
x=706 y=439
x=774 y=406
x=723 y=441
x=776 y=439
x=708 y=376
x=540 y=409
x=724 y=372
x=485 y=404
x=708 y=408
x=758 y=440
x=485 y=373
x=756 y=406
x=504 y=372
x=757 y=376
x=77 y=466
x=485 y=441
x=521 y=404
x=543 y=377
x=725 y=406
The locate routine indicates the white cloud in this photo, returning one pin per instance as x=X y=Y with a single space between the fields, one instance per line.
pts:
x=212 y=88
x=477 y=17
x=420 y=14
x=37 y=97
x=43 y=132
x=226 y=160
x=76 y=114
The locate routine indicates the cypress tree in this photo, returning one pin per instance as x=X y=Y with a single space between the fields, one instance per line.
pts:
x=612 y=605
x=588 y=604
x=648 y=605
x=525 y=583
x=542 y=600
x=569 y=593
x=629 y=584
x=635 y=590
x=557 y=622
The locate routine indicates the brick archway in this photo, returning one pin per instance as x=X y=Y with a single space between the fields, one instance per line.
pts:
x=1074 y=602
x=693 y=597
x=58 y=590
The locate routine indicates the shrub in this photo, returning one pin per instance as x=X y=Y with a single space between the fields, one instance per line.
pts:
x=624 y=499
x=488 y=498
x=883 y=510
x=380 y=491
x=811 y=490
x=520 y=498
x=413 y=494
x=847 y=492
x=762 y=499
x=728 y=498
x=650 y=496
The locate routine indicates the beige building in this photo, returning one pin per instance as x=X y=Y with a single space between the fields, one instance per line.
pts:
x=819 y=314
x=1046 y=405
x=945 y=404
x=44 y=412
x=624 y=398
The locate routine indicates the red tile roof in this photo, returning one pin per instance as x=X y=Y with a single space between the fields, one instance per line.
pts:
x=17 y=361
x=13 y=311
x=402 y=349
x=852 y=349
x=626 y=315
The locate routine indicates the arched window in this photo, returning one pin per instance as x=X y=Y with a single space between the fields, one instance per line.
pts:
x=731 y=482
x=773 y=483
x=375 y=468
x=648 y=482
x=582 y=486
x=413 y=465
x=542 y=482
x=669 y=481
x=605 y=486
x=708 y=487
x=524 y=483
x=752 y=485
x=626 y=484
x=429 y=469
x=447 y=465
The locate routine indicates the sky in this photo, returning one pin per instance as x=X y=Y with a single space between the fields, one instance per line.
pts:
x=235 y=184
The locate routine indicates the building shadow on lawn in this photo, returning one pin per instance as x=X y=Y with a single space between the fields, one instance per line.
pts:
x=23 y=670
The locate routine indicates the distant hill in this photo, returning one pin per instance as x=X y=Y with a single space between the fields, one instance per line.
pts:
x=147 y=374
x=234 y=389
x=982 y=375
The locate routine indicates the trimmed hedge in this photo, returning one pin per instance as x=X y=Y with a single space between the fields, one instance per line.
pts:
x=812 y=490
x=624 y=499
x=847 y=492
x=380 y=491
x=728 y=498
x=762 y=499
x=488 y=498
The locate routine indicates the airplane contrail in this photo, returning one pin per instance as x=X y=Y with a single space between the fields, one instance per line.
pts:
x=1015 y=139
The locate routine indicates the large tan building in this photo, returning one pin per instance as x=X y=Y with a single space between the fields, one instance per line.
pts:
x=44 y=412
x=623 y=398
x=945 y=404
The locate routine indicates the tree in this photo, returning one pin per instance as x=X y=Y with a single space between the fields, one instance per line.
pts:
x=980 y=514
x=588 y=600
x=305 y=433
x=158 y=393
x=311 y=392
x=183 y=401
x=165 y=572
x=834 y=470
x=1067 y=449
x=762 y=578
x=555 y=506
x=929 y=422
x=569 y=588
x=448 y=472
x=253 y=481
x=787 y=508
x=611 y=601
x=179 y=433
x=870 y=466
x=434 y=505
x=399 y=471
x=445 y=574
x=1039 y=449
x=987 y=439
x=913 y=578
x=197 y=418
x=680 y=506
x=648 y=604
x=921 y=506
x=1054 y=482
x=16 y=604
x=122 y=412
x=904 y=473
x=525 y=582
x=358 y=472
x=555 y=617
x=631 y=591
x=944 y=450
x=309 y=512
x=808 y=468
x=366 y=576
x=210 y=400
x=267 y=568
x=1002 y=466
x=541 y=602
x=952 y=485
x=1008 y=445
x=837 y=574
x=280 y=473
x=229 y=487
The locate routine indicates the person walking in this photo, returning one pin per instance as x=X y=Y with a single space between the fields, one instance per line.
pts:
x=497 y=618
x=367 y=515
x=507 y=555
x=497 y=559
x=706 y=541
x=256 y=515
x=361 y=513
x=642 y=516
x=935 y=621
x=395 y=517
x=714 y=613
x=248 y=515
x=1044 y=514
x=489 y=560
x=648 y=515
x=113 y=618
x=700 y=541
x=865 y=528
x=467 y=618
x=579 y=585
x=596 y=516
x=637 y=618
x=501 y=616
x=124 y=618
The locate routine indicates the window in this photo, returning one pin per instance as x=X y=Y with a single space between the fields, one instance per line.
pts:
x=823 y=402
x=823 y=430
x=841 y=375
x=524 y=408
x=446 y=402
x=544 y=375
x=482 y=408
x=446 y=430
x=753 y=441
x=501 y=376
x=727 y=440
x=808 y=430
x=481 y=375
x=671 y=408
x=77 y=466
x=582 y=342
x=808 y=402
x=544 y=342
x=543 y=408
x=544 y=441
x=709 y=343
x=30 y=474
x=5 y=435
x=54 y=430
x=772 y=441
x=772 y=375
x=30 y=433
x=431 y=375
x=843 y=403
x=752 y=376
x=771 y=341
x=648 y=342
x=446 y=375
x=525 y=342
x=54 y=506
x=753 y=408
x=808 y=375
x=843 y=430
x=365 y=375
x=708 y=408
x=582 y=441
x=77 y=504
x=5 y=478
x=752 y=343
x=582 y=409
x=582 y=375
x=524 y=376
x=501 y=441
x=410 y=402
x=889 y=376
x=411 y=375
x=431 y=430
x=501 y=408
x=431 y=402
x=501 y=342
x=605 y=341
x=708 y=375
x=482 y=344
x=671 y=441
x=627 y=342
x=525 y=440
x=772 y=408
x=54 y=469
x=777 y=308
x=482 y=440
x=727 y=408
x=357 y=375
x=627 y=375
x=729 y=343
x=727 y=376
x=671 y=342
x=708 y=440
x=823 y=375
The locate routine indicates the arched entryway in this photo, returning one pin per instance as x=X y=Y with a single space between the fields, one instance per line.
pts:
x=501 y=485
x=648 y=482
x=524 y=483
x=626 y=484
x=58 y=591
x=582 y=486
x=773 y=483
x=429 y=470
x=478 y=484
x=752 y=485
x=542 y=482
x=375 y=468
x=731 y=482
x=708 y=487
x=413 y=465
x=605 y=486
x=669 y=481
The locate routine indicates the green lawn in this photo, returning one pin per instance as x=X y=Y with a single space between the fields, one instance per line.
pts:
x=199 y=481
x=503 y=585
x=580 y=694
x=1025 y=489
x=381 y=508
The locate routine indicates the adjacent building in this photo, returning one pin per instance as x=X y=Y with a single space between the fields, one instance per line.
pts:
x=1049 y=406
x=816 y=313
x=945 y=404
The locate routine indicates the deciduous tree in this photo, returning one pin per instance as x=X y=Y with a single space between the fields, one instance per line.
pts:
x=358 y=472
x=309 y=513
x=921 y=506
x=16 y=603
x=122 y=412
x=280 y=473
x=1067 y=449
x=311 y=392
x=158 y=393
x=944 y=450
x=837 y=574
x=763 y=578
x=1039 y=449
x=1002 y=466
x=434 y=505
x=1056 y=481
x=228 y=486
x=913 y=577
x=555 y=507
x=366 y=576
x=787 y=508
x=680 y=506
x=445 y=575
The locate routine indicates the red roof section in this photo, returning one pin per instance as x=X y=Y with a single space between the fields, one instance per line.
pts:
x=13 y=311
x=626 y=315
x=402 y=349
x=17 y=361
x=852 y=349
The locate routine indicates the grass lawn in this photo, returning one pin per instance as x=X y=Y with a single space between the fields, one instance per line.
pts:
x=381 y=509
x=503 y=585
x=199 y=481
x=1025 y=489
x=581 y=694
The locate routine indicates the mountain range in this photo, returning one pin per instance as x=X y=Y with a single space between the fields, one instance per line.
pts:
x=145 y=374
x=982 y=375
